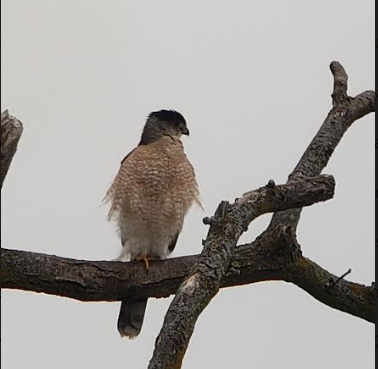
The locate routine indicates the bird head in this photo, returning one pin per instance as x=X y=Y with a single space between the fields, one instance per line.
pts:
x=164 y=123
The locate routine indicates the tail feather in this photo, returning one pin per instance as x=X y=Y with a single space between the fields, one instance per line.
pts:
x=131 y=317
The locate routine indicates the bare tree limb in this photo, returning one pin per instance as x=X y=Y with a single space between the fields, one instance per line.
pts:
x=340 y=84
x=109 y=281
x=11 y=131
x=85 y=280
x=308 y=275
x=202 y=284
x=346 y=110
x=352 y=298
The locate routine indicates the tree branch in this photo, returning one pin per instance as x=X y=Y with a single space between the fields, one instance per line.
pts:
x=94 y=281
x=346 y=110
x=352 y=298
x=202 y=284
x=340 y=84
x=109 y=281
x=11 y=131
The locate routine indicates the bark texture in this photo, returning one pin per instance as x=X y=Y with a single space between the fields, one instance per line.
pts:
x=11 y=131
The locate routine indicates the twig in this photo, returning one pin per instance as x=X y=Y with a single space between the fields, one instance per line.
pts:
x=334 y=282
x=11 y=131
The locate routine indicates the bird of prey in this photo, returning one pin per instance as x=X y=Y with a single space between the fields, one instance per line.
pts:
x=150 y=196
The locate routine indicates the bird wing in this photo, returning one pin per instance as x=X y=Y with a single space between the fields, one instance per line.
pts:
x=128 y=155
x=173 y=243
x=112 y=194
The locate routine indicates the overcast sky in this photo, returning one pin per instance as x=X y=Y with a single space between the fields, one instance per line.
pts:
x=252 y=80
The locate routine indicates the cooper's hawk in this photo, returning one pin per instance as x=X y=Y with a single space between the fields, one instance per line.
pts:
x=150 y=197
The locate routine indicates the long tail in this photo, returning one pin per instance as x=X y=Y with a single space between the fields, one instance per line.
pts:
x=131 y=317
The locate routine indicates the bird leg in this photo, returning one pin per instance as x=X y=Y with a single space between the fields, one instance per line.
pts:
x=146 y=261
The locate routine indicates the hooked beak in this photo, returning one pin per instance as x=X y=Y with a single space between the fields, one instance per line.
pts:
x=186 y=131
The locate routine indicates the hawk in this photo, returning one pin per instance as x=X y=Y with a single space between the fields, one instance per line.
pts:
x=149 y=198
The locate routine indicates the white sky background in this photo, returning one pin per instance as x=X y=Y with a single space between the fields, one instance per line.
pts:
x=252 y=79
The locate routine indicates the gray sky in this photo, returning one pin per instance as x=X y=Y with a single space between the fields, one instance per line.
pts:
x=252 y=79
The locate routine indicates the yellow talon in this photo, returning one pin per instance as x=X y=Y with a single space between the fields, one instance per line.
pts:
x=145 y=260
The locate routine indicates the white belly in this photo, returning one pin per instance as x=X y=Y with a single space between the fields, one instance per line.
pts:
x=147 y=237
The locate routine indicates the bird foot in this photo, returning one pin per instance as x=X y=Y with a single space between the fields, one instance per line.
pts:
x=146 y=261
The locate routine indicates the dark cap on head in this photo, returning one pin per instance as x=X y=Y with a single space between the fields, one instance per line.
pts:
x=163 y=123
x=169 y=116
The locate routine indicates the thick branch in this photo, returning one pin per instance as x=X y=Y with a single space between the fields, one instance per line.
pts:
x=91 y=281
x=203 y=282
x=110 y=281
x=345 y=112
x=11 y=131
x=349 y=297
